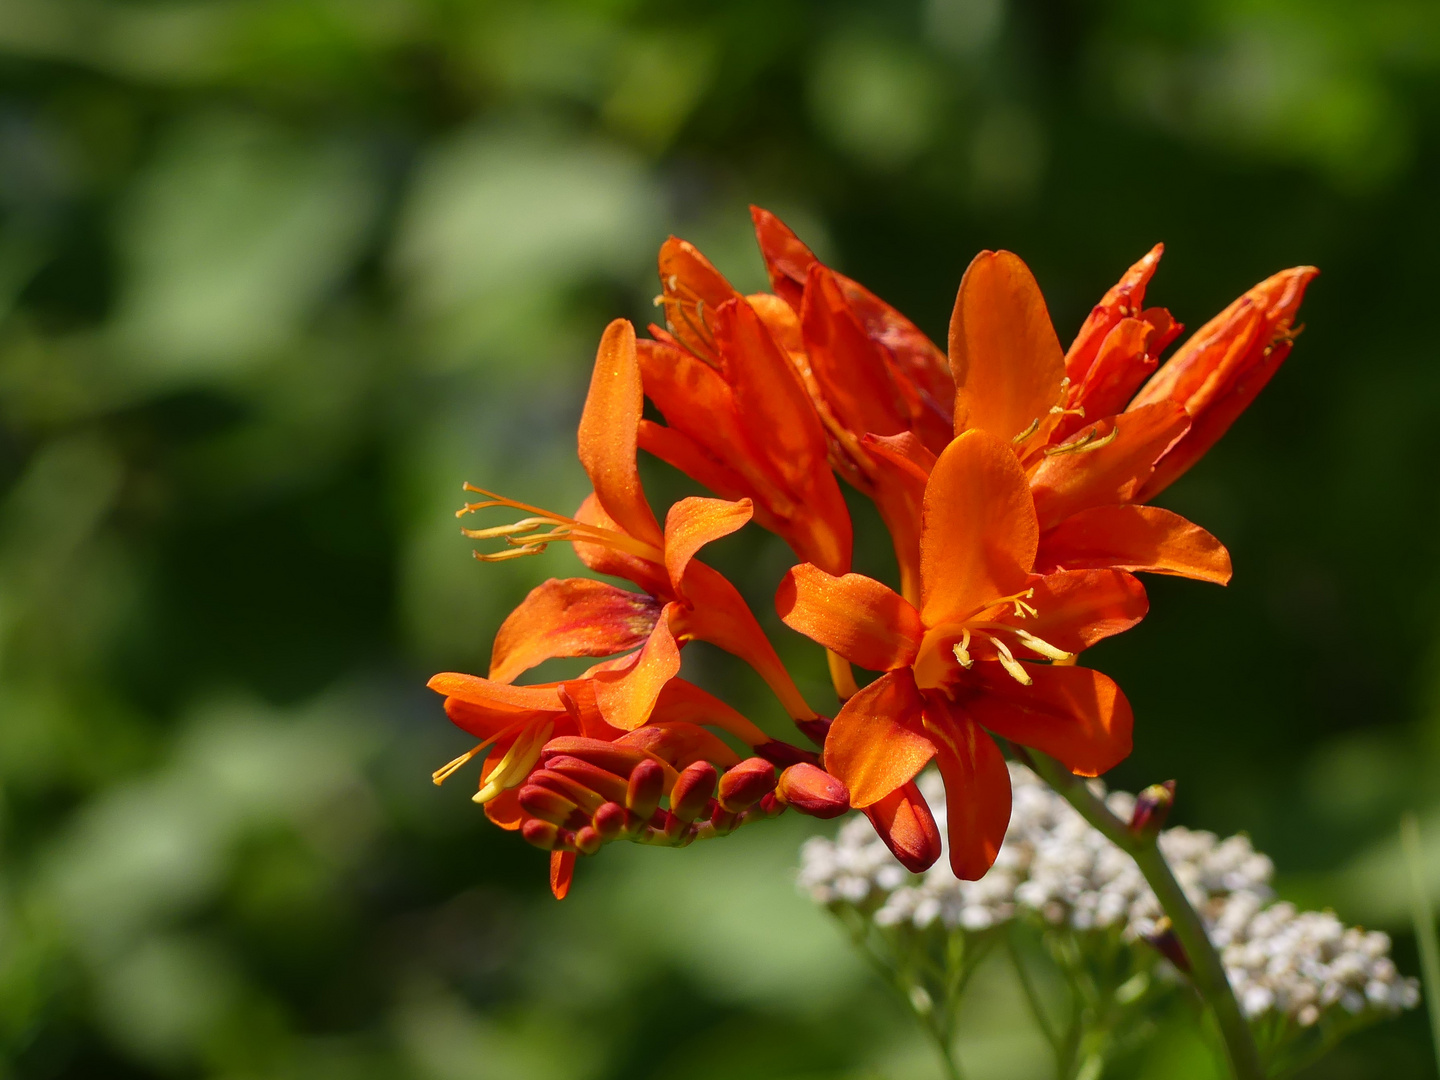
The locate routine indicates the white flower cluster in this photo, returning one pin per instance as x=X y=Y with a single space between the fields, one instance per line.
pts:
x=1055 y=866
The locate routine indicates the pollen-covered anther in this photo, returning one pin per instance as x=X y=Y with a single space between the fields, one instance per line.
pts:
x=524 y=752
x=962 y=651
x=1084 y=444
x=1041 y=646
x=1010 y=664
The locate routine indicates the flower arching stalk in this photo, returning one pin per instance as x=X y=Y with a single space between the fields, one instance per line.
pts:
x=1207 y=973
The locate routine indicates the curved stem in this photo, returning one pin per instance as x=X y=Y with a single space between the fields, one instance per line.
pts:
x=1207 y=973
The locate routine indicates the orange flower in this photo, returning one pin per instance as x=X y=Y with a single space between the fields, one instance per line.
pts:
x=1090 y=464
x=962 y=662
x=738 y=418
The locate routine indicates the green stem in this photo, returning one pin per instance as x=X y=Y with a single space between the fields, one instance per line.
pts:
x=1424 y=925
x=1207 y=973
x=1037 y=1007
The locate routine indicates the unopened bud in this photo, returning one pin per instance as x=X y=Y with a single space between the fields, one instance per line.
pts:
x=1152 y=807
x=745 y=784
x=782 y=754
x=611 y=821
x=770 y=806
x=550 y=806
x=543 y=834
x=692 y=791
x=598 y=780
x=903 y=820
x=611 y=757
x=647 y=784
x=576 y=792
x=588 y=841
x=1164 y=941
x=811 y=790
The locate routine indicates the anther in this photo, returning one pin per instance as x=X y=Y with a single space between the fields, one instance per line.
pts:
x=1041 y=646
x=1034 y=427
x=1009 y=663
x=962 y=651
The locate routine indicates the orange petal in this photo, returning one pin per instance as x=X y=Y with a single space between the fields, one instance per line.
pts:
x=851 y=369
x=978 y=534
x=1124 y=362
x=486 y=722
x=626 y=697
x=1124 y=299
x=903 y=820
x=500 y=697
x=608 y=432
x=680 y=451
x=1076 y=715
x=650 y=576
x=684 y=701
x=717 y=613
x=504 y=810
x=690 y=290
x=855 y=616
x=901 y=464
x=1241 y=337
x=1077 y=608
x=787 y=260
x=562 y=872
x=1135 y=538
x=1114 y=471
x=877 y=742
x=570 y=617
x=977 y=789
x=694 y=522
x=1004 y=353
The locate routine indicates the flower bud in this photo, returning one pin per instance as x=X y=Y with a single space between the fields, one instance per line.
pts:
x=813 y=791
x=692 y=791
x=601 y=781
x=745 y=784
x=582 y=796
x=612 y=757
x=611 y=821
x=903 y=820
x=815 y=730
x=550 y=806
x=647 y=784
x=543 y=834
x=1152 y=807
x=588 y=841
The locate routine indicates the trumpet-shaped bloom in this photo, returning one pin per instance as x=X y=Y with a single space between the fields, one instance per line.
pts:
x=725 y=377
x=966 y=662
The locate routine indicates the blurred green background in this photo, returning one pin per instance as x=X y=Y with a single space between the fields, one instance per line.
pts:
x=277 y=275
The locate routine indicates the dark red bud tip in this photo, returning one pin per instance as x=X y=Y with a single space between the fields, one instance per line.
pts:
x=813 y=791
x=611 y=821
x=543 y=834
x=692 y=791
x=601 y=781
x=782 y=754
x=647 y=784
x=903 y=820
x=771 y=806
x=588 y=841
x=745 y=784
x=1164 y=941
x=1152 y=807
x=609 y=756
x=582 y=796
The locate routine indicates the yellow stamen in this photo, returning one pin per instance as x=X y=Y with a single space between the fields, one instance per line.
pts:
x=521 y=535
x=1009 y=663
x=444 y=773
x=1034 y=427
x=962 y=652
x=1083 y=445
x=517 y=762
x=1041 y=646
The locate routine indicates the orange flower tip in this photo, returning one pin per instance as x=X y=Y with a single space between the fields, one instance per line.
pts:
x=562 y=872
x=647 y=784
x=692 y=791
x=1152 y=807
x=745 y=784
x=611 y=821
x=588 y=841
x=813 y=791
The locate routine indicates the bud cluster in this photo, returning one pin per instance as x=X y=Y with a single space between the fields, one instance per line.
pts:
x=1290 y=969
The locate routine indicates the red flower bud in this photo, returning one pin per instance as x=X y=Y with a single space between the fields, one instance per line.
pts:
x=743 y=785
x=576 y=792
x=588 y=841
x=601 y=781
x=813 y=791
x=1152 y=807
x=611 y=821
x=903 y=820
x=550 y=806
x=692 y=791
x=647 y=784
x=612 y=757
x=543 y=834
x=1164 y=941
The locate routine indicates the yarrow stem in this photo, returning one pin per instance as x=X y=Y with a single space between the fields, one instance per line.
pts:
x=1207 y=973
